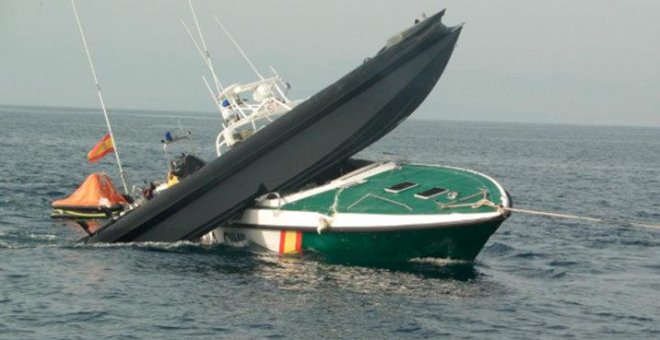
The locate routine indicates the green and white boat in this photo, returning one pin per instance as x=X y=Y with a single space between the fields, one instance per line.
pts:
x=378 y=213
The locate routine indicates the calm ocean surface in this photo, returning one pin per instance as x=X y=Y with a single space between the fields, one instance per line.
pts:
x=536 y=277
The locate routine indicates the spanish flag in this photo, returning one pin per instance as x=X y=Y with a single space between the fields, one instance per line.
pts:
x=104 y=146
x=290 y=242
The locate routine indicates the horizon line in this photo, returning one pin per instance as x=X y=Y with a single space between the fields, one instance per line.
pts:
x=212 y=113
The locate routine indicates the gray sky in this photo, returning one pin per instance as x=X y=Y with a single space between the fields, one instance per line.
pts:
x=567 y=61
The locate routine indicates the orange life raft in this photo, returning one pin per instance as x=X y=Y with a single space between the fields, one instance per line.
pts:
x=95 y=198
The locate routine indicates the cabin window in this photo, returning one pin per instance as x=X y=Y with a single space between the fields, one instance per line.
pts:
x=399 y=187
x=430 y=193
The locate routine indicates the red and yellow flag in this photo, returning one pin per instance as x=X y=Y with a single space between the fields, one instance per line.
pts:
x=102 y=148
x=290 y=242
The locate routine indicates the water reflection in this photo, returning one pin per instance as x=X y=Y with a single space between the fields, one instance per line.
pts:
x=228 y=267
x=309 y=273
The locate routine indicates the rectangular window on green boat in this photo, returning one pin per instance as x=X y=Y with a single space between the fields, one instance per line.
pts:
x=399 y=187
x=433 y=192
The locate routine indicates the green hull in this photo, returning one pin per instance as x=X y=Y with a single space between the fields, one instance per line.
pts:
x=461 y=243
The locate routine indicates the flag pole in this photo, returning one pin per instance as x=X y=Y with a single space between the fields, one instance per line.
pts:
x=122 y=174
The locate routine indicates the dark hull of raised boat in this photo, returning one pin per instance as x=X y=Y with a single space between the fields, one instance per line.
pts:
x=320 y=133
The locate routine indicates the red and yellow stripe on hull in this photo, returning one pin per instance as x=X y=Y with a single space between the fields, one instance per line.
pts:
x=290 y=242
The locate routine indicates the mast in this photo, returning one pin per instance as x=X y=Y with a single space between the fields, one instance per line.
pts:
x=122 y=174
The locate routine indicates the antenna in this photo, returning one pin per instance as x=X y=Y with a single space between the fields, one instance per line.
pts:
x=122 y=174
x=238 y=46
x=218 y=86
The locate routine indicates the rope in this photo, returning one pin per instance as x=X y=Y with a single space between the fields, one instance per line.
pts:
x=454 y=204
x=403 y=205
x=485 y=202
x=501 y=209
x=582 y=218
x=325 y=221
x=335 y=203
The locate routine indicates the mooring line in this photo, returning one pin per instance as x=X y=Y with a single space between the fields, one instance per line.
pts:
x=583 y=218
x=504 y=210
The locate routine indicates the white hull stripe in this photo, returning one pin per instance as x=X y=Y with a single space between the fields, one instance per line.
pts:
x=305 y=220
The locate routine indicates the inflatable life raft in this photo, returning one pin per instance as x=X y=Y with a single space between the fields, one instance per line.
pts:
x=95 y=198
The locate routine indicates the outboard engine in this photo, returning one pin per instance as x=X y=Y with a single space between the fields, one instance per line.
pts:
x=185 y=165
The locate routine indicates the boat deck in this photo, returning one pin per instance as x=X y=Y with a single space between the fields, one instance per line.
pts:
x=464 y=189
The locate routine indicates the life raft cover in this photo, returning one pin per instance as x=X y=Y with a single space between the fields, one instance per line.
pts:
x=96 y=193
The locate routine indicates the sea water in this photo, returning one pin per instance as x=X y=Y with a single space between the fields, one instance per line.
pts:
x=535 y=278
